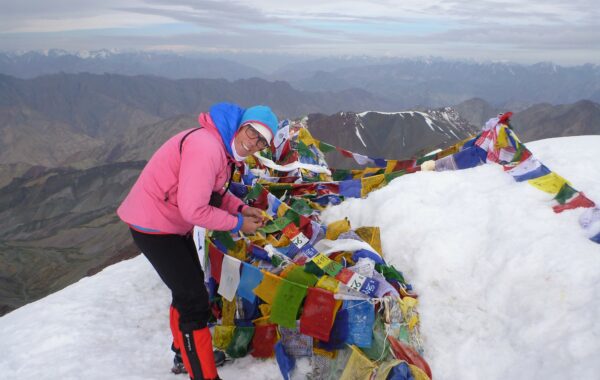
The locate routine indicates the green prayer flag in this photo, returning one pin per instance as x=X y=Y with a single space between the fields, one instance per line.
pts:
x=389 y=177
x=341 y=174
x=565 y=193
x=270 y=228
x=282 y=222
x=303 y=150
x=404 y=335
x=389 y=272
x=302 y=206
x=313 y=268
x=300 y=276
x=242 y=337
x=425 y=158
x=333 y=268
x=326 y=148
x=276 y=260
x=255 y=192
x=225 y=238
x=379 y=349
x=287 y=301
x=293 y=216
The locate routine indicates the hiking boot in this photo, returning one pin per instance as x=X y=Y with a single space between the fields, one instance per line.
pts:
x=178 y=366
x=220 y=358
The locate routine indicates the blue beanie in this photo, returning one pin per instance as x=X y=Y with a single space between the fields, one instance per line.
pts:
x=262 y=115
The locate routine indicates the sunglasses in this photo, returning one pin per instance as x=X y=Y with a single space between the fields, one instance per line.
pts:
x=252 y=133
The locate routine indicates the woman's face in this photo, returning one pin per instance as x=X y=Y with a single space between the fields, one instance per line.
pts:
x=248 y=141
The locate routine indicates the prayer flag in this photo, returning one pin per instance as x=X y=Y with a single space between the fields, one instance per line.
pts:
x=264 y=340
x=361 y=316
x=580 y=200
x=286 y=303
x=317 y=314
x=251 y=278
x=285 y=362
x=238 y=347
x=216 y=261
x=230 y=277
x=267 y=287
x=549 y=183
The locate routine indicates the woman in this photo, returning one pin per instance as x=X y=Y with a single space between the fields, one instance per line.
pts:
x=185 y=183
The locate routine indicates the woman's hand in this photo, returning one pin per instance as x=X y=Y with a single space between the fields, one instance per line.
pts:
x=251 y=224
x=253 y=212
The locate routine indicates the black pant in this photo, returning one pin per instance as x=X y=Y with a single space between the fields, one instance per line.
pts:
x=175 y=259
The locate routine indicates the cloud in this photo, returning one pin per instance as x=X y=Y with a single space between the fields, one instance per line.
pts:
x=485 y=28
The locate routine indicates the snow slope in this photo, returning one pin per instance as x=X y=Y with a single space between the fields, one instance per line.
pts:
x=507 y=288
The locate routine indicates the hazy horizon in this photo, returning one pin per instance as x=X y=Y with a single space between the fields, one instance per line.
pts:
x=489 y=30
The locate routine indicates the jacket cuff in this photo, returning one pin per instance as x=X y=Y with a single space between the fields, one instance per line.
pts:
x=239 y=224
x=242 y=207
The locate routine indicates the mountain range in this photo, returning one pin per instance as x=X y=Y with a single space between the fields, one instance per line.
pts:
x=405 y=83
x=71 y=145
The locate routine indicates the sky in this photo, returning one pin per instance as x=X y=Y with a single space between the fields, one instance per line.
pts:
x=524 y=31
x=507 y=288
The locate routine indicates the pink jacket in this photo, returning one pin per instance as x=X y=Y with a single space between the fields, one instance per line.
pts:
x=172 y=193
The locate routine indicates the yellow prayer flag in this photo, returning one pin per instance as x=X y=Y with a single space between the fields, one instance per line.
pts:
x=346 y=255
x=359 y=367
x=448 y=151
x=414 y=319
x=322 y=352
x=407 y=303
x=391 y=164
x=385 y=368
x=239 y=252
x=315 y=206
x=369 y=184
x=367 y=171
x=282 y=209
x=502 y=139
x=258 y=239
x=283 y=241
x=372 y=235
x=222 y=336
x=418 y=373
x=228 y=312
x=267 y=287
x=307 y=138
x=336 y=228
x=550 y=183
x=328 y=283
x=263 y=321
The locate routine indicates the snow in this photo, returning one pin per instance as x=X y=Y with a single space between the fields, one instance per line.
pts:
x=507 y=288
x=360 y=137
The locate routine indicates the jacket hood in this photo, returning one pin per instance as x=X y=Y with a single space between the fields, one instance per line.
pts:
x=227 y=118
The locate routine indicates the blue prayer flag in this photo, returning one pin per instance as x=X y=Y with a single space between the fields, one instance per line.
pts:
x=251 y=277
x=470 y=157
x=368 y=254
x=361 y=317
x=350 y=188
x=285 y=362
x=541 y=171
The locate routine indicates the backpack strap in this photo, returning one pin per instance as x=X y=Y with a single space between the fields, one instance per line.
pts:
x=185 y=137
x=231 y=165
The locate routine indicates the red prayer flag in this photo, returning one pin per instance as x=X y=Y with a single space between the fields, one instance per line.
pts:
x=318 y=314
x=406 y=353
x=216 y=262
x=579 y=201
x=263 y=341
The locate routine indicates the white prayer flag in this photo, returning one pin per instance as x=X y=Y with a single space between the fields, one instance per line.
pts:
x=230 y=277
